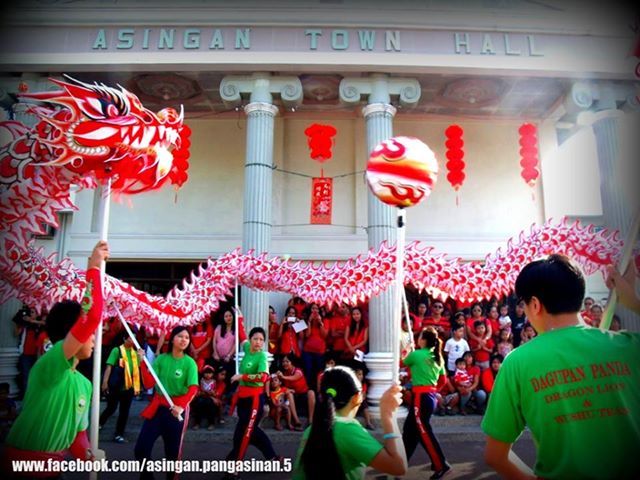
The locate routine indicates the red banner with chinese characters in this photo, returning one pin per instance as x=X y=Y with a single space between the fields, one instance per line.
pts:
x=321 y=200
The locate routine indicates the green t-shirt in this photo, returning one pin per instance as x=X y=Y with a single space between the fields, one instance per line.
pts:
x=356 y=448
x=424 y=369
x=114 y=358
x=56 y=405
x=176 y=374
x=578 y=391
x=253 y=363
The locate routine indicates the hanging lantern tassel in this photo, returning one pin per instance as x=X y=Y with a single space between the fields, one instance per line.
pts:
x=455 y=154
x=529 y=155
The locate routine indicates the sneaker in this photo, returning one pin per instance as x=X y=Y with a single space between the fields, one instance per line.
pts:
x=210 y=427
x=441 y=473
x=119 y=439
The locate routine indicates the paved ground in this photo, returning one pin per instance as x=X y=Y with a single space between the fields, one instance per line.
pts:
x=461 y=439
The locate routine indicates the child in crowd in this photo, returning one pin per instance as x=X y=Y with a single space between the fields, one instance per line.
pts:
x=517 y=323
x=458 y=319
x=586 y=312
x=528 y=333
x=505 y=345
x=364 y=406
x=493 y=320
x=447 y=398
x=616 y=324
x=488 y=377
x=462 y=381
x=475 y=395
x=405 y=383
x=330 y=362
x=8 y=411
x=203 y=404
x=596 y=315
x=482 y=348
x=219 y=398
x=477 y=313
x=455 y=347
x=406 y=337
x=281 y=399
x=504 y=320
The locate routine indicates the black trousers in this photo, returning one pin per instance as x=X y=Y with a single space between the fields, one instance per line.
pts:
x=165 y=425
x=122 y=398
x=247 y=430
x=417 y=429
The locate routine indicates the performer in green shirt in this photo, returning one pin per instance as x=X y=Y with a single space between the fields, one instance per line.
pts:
x=55 y=412
x=178 y=373
x=336 y=446
x=577 y=388
x=250 y=398
x=427 y=377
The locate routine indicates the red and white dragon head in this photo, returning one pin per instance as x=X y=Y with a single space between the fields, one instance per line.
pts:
x=107 y=132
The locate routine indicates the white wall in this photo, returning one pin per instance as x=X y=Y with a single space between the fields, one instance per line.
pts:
x=206 y=219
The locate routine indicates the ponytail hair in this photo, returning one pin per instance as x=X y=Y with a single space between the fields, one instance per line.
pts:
x=430 y=335
x=319 y=459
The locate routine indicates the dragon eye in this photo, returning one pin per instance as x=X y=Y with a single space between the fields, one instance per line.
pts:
x=99 y=108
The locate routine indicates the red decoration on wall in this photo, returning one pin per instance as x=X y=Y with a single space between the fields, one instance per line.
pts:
x=320 y=141
x=455 y=154
x=529 y=153
x=321 y=201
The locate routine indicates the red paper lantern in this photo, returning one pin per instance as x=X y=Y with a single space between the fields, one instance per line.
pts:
x=455 y=154
x=320 y=141
x=529 y=153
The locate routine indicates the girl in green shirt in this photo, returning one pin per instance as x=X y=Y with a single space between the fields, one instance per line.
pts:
x=336 y=446
x=428 y=376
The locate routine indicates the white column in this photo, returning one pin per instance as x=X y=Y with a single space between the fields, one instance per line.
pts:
x=256 y=226
x=381 y=218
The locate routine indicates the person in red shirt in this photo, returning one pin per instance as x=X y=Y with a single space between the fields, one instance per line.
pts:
x=201 y=340
x=289 y=344
x=274 y=331
x=315 y=344
x=299 y=304
x=477 y=314
x=329 y=363
x=475 y=393
x=339 y=324
x=356 y=337
x=419 y=320
x=586 y=313
x=27 y=328
x=488 y=377
x=596 y=315
x=493 y=316
x=481 y=348
x=364 y=406
x=437 y=321
x=281 y=399
x=293 y=378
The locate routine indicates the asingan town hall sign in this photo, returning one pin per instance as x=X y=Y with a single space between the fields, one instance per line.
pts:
x=315 y=39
